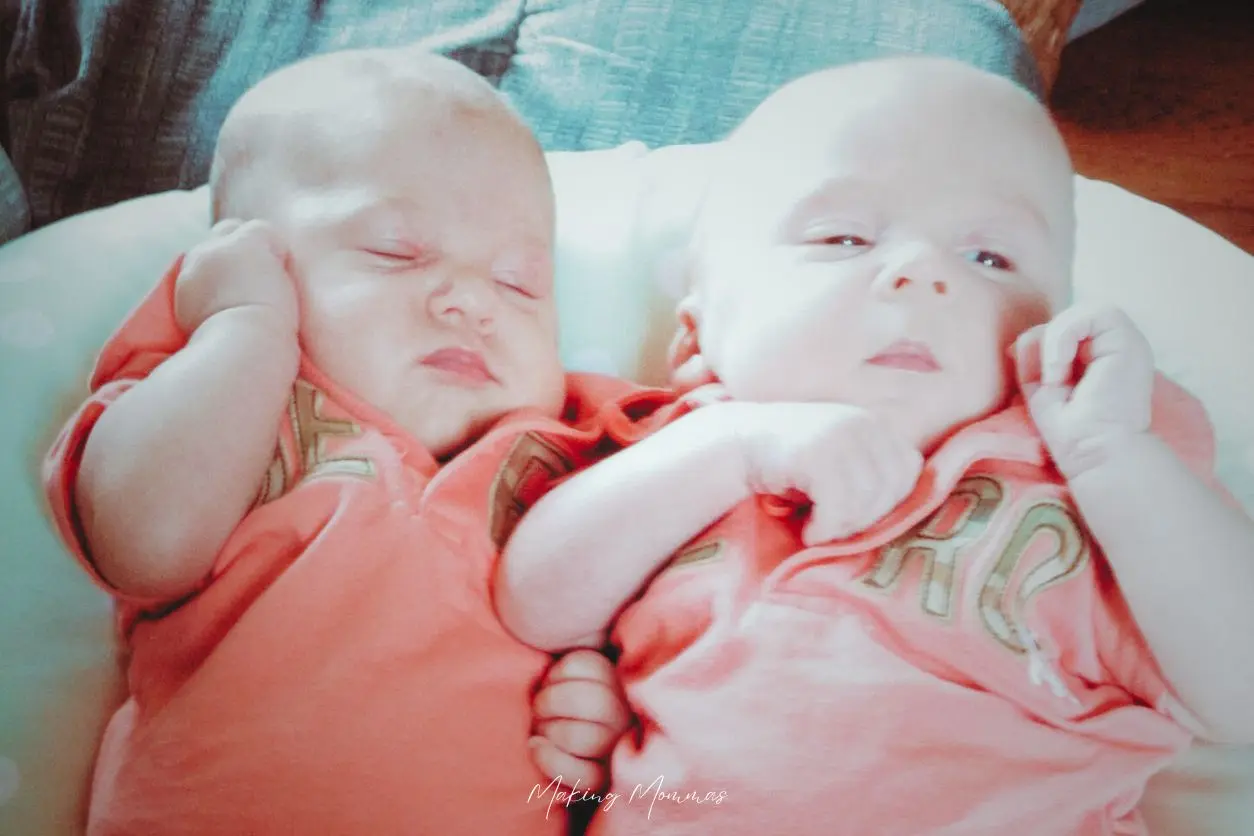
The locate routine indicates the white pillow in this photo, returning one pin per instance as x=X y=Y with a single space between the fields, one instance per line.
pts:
x=623 y=215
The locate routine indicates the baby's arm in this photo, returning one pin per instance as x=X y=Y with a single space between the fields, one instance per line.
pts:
x=172 y=466
x=581 y=552
x=1182 y=555
x=1184 y=559
x=588 y=547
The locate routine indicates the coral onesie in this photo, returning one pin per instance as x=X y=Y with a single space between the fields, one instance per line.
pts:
x=341 y=670
x=967 y=667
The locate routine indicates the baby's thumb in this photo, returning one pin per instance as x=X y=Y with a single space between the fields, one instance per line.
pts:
x=1045 y=405
x=823 y=526
x=225 y=227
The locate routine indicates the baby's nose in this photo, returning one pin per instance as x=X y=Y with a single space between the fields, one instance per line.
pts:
x=938 y=286
x=470 y=296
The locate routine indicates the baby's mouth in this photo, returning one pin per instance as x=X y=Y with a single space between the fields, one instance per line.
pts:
x=462 y=363
x=906 y=355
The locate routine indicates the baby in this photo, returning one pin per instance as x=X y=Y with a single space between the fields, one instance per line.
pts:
x=302 y=454
x=911 y=561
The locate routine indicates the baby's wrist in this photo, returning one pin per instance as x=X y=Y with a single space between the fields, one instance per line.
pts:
x=262 y=319
x=1099 y=456
x=272 y=333
x=727 y=433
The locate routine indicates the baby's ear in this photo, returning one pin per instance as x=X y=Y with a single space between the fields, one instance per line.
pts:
x=687 y=365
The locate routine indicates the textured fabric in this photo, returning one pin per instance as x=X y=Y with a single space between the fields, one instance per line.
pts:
x=341 y=669
x=125 y=97
x=14 y=214
x=1045 y=25
x=967 y=666
x=594 y=73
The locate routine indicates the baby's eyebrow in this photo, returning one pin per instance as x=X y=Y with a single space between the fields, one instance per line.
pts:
x=837 y=188
x=1018 y=208
x=361 y=210
x=532 y=263
x=833 y=190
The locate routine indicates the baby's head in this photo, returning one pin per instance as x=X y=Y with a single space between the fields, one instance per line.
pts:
x=878 y=235
x=418 y=214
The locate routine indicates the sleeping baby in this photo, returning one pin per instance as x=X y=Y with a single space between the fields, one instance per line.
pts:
x=917 y=549
x=302 y=454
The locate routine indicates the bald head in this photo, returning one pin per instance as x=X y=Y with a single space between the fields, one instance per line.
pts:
x=306 y=123
x=930 y=87
x=938 y=124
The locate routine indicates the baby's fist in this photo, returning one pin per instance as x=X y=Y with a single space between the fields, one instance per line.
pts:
x=238 y=265
x=1088 y=378
x=580 y=713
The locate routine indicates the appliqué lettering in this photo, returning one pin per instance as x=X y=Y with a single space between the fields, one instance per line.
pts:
x=960 y=521
x=310 y=431
x=533 y=464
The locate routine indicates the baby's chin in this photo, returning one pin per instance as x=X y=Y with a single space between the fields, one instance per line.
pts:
x=452 y=440
x=450 y=434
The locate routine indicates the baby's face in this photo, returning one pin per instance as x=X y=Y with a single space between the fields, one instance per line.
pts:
x=884 y=256
x=425 y=273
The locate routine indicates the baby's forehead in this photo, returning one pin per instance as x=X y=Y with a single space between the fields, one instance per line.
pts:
x=368 y=93
x=891 y=122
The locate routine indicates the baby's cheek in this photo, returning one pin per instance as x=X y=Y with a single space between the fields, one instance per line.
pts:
x=1020 y=312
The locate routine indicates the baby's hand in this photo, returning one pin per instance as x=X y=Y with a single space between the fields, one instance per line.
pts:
x=1088 y=377
x=580 y=714
x=240 y=264
x=851 y=465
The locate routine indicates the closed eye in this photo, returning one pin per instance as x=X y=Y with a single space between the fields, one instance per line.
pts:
x=389 y=255
x=399 y=256
x=991 y=259
x=515 y=285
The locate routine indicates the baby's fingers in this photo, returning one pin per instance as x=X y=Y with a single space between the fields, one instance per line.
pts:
x=896 y=466
x=579 y=738
x=565 y=768
x=1026 y=355
x=582 y=664
x=225 y=227
x=1060 y=344
x=830 y=512
x=581 y=700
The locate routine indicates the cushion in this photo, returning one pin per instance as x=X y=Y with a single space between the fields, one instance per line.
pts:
x=111 y=99
x=1045 y=25
x=14 y=214
x=623 y=214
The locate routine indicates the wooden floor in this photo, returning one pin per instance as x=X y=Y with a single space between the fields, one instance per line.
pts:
x=1161 y=101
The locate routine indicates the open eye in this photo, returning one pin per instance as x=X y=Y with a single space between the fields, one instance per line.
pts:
x=990 y=259
x=842 y=240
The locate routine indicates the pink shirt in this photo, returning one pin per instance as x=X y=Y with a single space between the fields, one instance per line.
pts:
x=341 y=670
x=966 y=667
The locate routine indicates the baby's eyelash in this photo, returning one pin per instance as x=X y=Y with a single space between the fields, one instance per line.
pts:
x=991 y=259
x=390 y=255
x=401 y=255
x=512 y=283
x=842 y=240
